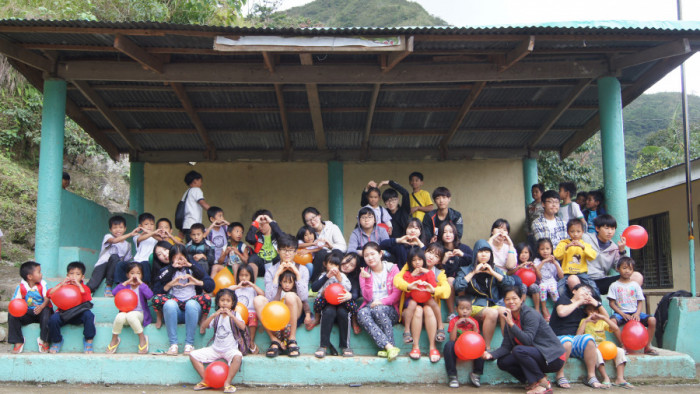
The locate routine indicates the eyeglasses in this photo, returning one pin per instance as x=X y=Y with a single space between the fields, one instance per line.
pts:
x=287 y=250
x=312 y=219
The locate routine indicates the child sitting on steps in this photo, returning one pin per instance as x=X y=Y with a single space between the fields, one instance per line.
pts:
x=139 y=317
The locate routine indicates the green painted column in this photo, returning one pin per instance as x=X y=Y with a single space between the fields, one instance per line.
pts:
x=136 y=187
x=48 y=205
x=335 y=193
x=529 y=177
x=613 y=144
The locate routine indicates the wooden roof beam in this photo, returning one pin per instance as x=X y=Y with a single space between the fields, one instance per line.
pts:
x=466 y=106
x=370 y=116
x=108 y=114
x=25 y=56
x=558 y=112
x=269 y=61
x=126 y=46
x=196 y=121
x=674 y=48
x=314 y=104
x=285 y=122
x=395 y=58
x=515 y=55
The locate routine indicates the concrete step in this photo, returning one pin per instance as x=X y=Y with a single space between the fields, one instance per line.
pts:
x=304 y=370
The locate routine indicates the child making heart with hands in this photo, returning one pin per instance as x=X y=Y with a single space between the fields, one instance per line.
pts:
x=549 y=271
x=137 y=318
x=246 y=290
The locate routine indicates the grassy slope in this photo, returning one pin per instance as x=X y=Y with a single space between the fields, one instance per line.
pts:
x=18 y=188
x=350 y=13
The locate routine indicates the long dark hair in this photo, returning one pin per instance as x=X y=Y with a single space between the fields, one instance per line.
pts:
x=223 y=292
x=441 y=230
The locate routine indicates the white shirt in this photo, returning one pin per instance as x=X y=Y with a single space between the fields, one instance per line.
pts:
x=379 y=289
x=245 y=296
x=144 y=249
x=224 y=340
x=121 y=249
x=570 y=211
x=193 y=211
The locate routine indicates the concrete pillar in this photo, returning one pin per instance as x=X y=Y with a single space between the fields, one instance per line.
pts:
x=335 y=192
x=613 y=144
x=48 y=206
x=136 y=187
x=529 y=177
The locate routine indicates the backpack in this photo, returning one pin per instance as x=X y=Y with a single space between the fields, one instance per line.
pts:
x=242 y=336
x=661 y=314
x=180 y=212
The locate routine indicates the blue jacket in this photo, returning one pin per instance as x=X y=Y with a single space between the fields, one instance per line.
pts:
x=483 y=289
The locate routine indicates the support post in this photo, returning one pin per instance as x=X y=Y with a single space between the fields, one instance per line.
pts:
x=335 y=193
x=136 y=187
x=48 y=206
x=613 y=146
x=529 y=177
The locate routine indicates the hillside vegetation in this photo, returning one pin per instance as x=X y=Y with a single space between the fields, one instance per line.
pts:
x=366 y=13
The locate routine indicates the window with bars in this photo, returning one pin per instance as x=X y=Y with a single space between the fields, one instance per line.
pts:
x=654 y=259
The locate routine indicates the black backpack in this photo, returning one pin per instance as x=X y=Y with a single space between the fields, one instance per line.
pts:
x=661 y=314
x=180 y=212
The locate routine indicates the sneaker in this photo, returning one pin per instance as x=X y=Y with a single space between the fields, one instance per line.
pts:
x=173 y=350
x=17 y=349
x=451 y=316
x=475 y=379
x=43 y=346
x=454 y=383
x=188 y=349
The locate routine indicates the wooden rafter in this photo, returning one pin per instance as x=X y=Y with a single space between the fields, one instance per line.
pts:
x=126 y=46
x=370 y=116
x=269 y=61
x=108 y=114
x=466 y=106
x=283 y=118
x=224 y=73
x=558 y=112
x=674 y=48
x=314 y=104
x=194 y=117
x=523 y=49
x=25 y=56
x=393 y=59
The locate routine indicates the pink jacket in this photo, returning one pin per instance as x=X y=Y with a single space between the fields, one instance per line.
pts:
x=394 y=293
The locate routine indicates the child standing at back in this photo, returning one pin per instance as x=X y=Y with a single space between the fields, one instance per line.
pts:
x=370 y=195
x=228 y=340
x=139 y=317
x=217 y=232
x=194 y=202
x=74 y=277
x=594 y=208
x=626 y=299
x=569 y=209
x=595 y=325
x=236 y=253
x=549 y=271
x=115 y=248
x=433 y=219
x=459 y=324
x=246 y=290
x=421 y=203
x=32 y=289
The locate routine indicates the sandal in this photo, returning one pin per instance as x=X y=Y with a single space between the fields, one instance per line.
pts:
x=87 y=347
x=293 y=347
x=144 y=349
x=17 y=349
x=201 y=386
x=563 y=383
x=188 y=349
x=414 y=354
x=108 y=291
x=623 y=385
x=593 y=382
x=254 y=349
x=392 y=353
x=56 y=347
x=273 y=352
x=383 y=353
x=434 y=355
x=230 y=389
x=407 y=338
x=651 y=352
x=320 y=352
x=43 y=346
x=111 y=349
x=440 y=336
x=347 y=352
x=606 y=384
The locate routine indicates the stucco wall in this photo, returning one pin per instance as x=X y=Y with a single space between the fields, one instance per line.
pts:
x=672 y=200
x=483 y=190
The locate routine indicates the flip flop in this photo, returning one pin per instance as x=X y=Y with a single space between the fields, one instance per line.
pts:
x=592 y=381
x=563 y=383
x=392 y=353
x=111 y=349
x=201 y=386
x=87 y=347
x=144 y=349
x=230 y=389
x=623 y=385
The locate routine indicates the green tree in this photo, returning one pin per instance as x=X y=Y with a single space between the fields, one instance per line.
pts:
x=666 y=148
x=265 y=14
x=583 y=167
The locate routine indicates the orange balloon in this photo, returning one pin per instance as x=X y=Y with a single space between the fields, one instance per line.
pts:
x=243 y=311
x=608 y=350
x=275 y=315
x=223 y=279
x=303 y=259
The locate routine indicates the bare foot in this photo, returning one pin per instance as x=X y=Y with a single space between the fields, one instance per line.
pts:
x=159 y=323
x=356 y=327
x=313 y=324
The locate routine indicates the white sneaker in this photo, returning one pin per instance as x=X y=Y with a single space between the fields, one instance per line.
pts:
x=173 y=350
x=188 y=349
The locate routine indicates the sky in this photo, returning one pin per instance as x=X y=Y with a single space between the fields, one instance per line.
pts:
x=521 y=12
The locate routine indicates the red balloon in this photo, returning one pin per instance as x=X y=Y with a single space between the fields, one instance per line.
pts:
x=470 y=346
x=420 y=295
x=527 y=276
x=126 y=300
x=215 y=374
x=634 y=335
x=67 y=297
x=18 y=307
x=636 y=236
x=333 y=293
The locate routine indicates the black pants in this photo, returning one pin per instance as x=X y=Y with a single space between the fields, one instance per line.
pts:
x=451 y=360
x=258 y=261
x=330 y=315
x=86 y=319
x=103 y=271
x=15 y=325
x=318 y=265
x=527 y=364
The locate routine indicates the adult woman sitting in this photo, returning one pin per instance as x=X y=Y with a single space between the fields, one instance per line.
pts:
x=328 y=233
x=380 y=310
x=529 y=348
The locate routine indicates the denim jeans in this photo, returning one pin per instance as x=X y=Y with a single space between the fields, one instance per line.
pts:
x=173 y=315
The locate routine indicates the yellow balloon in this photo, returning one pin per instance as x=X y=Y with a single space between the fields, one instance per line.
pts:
x=243 y=311
x=223 y=279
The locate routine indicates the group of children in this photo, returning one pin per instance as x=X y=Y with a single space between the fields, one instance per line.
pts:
x=419 y=237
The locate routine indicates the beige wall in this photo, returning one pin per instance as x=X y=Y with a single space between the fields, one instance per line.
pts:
x=483 y=190
x=672 y=200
